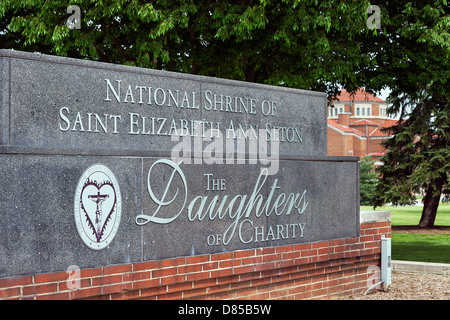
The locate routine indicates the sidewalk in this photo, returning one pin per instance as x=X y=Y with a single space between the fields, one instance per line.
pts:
x=420 y=267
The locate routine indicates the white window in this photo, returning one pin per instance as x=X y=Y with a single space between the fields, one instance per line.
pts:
x=333 y=112
x=366 y=109
x=337 y=109
x=383 y=111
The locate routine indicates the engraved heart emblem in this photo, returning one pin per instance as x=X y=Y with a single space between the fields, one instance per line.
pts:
x=97 y=207
x=98 y=201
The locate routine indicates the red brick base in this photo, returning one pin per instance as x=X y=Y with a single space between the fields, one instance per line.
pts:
x=319 y=270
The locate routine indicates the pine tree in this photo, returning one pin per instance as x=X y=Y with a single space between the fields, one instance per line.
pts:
x=418 y=159
x=412 y=54
x=368 y=180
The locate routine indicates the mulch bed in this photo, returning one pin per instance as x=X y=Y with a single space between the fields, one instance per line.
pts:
x=413 y=286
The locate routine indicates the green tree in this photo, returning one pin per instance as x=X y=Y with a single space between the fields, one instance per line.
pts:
x=310 y=44
x=413 y=59
x=302 y=44
x=368 y=180
x=418 y=160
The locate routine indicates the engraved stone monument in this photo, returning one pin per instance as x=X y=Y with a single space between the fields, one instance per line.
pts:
x=105 y=164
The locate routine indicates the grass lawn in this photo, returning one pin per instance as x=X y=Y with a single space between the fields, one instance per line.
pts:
x=418 y=247
x=410 y=215
x=421 y=247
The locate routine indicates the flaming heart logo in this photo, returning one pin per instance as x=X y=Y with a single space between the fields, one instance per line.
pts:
x=98 y=201
x=97 y=207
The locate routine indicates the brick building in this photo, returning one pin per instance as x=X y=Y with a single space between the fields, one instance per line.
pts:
x=355 y=123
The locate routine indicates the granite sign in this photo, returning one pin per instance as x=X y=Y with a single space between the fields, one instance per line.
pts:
x=103 y=164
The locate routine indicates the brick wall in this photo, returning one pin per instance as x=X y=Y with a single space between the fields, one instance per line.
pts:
x=376 y=146
x=319 y=270
x=335 y=143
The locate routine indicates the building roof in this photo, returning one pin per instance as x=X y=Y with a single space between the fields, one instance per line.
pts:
x=376 y=154
x=386 y=124
x=364 y=122
x=336 y=125
x=375 y=133
x=359 y=96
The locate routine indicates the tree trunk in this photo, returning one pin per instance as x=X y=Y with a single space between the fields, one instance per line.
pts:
x=431 y=203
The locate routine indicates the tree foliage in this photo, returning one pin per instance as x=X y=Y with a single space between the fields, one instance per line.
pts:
x=302 y=44
x=368 y=180
x=415 y=63
x=411 y=53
